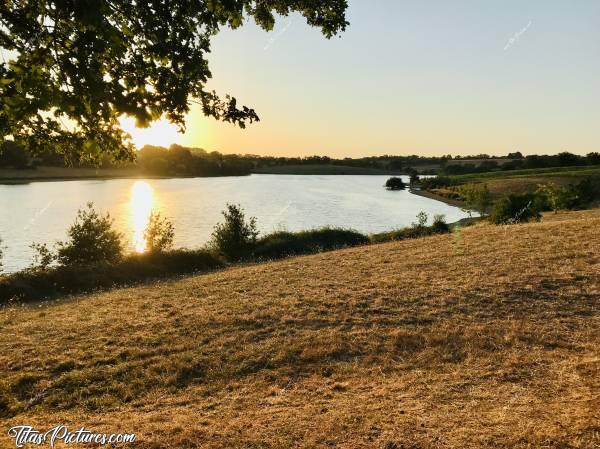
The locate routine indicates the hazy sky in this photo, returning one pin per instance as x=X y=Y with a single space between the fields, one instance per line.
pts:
x=424 y=77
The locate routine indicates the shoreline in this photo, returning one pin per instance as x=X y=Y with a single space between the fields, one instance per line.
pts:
x=433 y=196
x=53 y=174
x=59 y=174
x=450 y=202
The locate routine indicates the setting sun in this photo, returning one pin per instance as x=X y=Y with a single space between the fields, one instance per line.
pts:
x=160 y=133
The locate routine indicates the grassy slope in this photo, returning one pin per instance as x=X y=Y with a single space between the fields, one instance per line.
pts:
x=520 y=181
x=484 y=338
x=572 y=172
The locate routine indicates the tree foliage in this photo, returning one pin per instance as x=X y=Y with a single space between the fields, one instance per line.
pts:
x=581 y=195
x=236 y=237
x=43 y=256
x=476 y=197
x=159 y=233
x=516 y=208
x=553 y=194
x=395 y=183
x=77 y=66
x=422 y=218
x=91 y=239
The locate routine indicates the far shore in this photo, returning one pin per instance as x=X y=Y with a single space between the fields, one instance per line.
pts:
x=48 y=174
x=45 y=173
x=14 y=176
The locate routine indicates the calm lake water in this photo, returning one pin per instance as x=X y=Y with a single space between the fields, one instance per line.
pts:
x=42 y=211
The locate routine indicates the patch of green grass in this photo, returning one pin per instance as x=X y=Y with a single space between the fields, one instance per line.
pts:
x=587 y=170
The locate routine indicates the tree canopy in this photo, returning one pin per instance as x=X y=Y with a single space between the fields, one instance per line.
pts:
x=78 y=65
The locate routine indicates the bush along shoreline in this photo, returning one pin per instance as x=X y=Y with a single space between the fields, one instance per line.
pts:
x=92 y=257
x=513 y=207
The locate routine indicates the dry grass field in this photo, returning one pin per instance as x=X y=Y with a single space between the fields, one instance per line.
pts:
x=523 y=181
x=530 y=184
x=485 y=338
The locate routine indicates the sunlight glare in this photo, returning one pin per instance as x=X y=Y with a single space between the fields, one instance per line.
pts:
x=142 y=200
x=160 y=133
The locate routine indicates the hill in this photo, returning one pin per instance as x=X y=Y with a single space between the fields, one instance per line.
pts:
x=519 y=181
x=485 y=338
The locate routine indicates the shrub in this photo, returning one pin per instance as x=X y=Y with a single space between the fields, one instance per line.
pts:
x=91 y=239
x=395 y=183
x=414 y=179
x=439 y=225
x=236 y=237
x=43 y=256
x=159 y=234
x=417 y=230
x=516 y=208
x=31 y=285
x=553 y=196
x=584 y=193
x=421 y=220
x=283 y=244
x=573 y=196
x=476 y=197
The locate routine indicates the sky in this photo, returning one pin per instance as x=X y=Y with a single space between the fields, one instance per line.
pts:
x=407 y=77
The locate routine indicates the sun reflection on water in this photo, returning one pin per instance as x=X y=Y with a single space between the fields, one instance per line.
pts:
x=140 y=205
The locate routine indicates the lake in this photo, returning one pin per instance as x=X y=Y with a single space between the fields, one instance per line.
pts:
x=42 y=211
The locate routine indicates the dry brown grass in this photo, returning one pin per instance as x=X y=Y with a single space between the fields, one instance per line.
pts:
x=501 y=186
x=486 y=338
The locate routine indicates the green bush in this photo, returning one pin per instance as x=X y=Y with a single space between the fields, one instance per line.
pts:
x=395 y=183
x=476 y=197
x=419 y=229
x=283 y=244
x=421 y=220
x=439 y=225
x=43 y=256
x=516 y=208
x=236 y=237
x=574 y=196
x=159 y=234
x=584 y=194
x=91 y=239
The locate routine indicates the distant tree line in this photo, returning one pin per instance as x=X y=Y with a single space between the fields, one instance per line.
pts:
x=518 y=161
x=184 y=161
